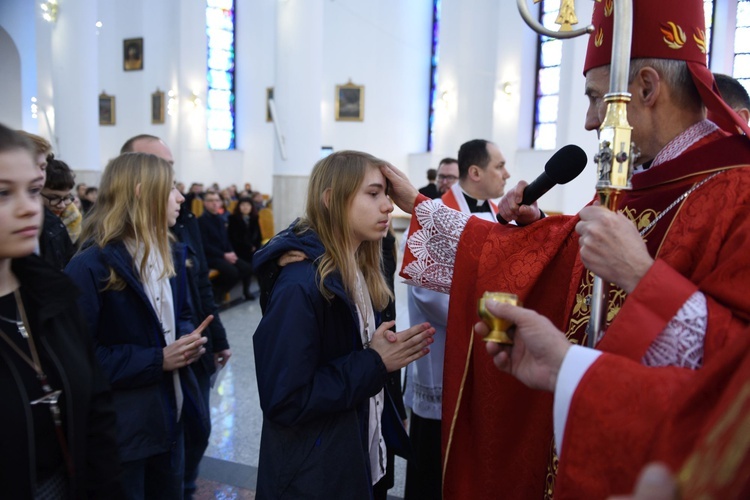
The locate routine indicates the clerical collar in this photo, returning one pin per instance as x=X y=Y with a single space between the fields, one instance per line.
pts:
x=476 y=206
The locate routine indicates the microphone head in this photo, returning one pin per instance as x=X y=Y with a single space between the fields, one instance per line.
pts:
x=566 y=164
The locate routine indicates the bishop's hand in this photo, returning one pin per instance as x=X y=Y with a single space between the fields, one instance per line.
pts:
x=538 y=350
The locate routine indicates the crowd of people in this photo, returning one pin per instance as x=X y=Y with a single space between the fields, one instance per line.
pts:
x=110 y=328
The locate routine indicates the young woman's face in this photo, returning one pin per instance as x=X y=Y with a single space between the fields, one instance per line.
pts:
x=21 y=183
x=246 y=208
x=370 y=209
x=173 y=206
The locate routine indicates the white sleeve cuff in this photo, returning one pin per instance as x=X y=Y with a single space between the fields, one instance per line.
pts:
x=575 y=364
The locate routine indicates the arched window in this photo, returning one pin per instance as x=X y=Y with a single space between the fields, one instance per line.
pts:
x=220 y=97
x=549 y=57
x=741 y=70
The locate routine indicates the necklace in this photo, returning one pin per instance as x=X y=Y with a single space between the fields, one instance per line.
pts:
x=677 y=201
x=51 y=397
x=363 y=310
x=19 y=325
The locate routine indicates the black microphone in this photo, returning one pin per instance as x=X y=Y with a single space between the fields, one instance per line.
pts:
x=563 y=167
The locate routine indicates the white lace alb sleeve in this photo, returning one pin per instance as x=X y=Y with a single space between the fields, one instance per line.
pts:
x=434 y=246
x=681 y=342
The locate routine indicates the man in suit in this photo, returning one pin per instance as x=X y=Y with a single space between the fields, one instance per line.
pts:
x=219 y=252
x=430 y=190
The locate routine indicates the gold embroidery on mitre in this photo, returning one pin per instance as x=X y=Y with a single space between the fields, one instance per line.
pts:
x=700 y=40
x=609 y=8
x=599 y=40
x=674 y=36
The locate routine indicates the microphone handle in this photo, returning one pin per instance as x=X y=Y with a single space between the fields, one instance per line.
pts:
x=533 y=192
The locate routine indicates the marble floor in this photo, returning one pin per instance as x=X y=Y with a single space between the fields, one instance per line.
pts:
x=229 y=467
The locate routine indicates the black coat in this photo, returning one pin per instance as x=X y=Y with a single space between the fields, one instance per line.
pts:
x=201 y=295
x=215 y=237
x=244 y=236
x=60 y=333
x=55 y=246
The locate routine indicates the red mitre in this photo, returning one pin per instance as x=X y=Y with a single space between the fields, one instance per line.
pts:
x=665 y=29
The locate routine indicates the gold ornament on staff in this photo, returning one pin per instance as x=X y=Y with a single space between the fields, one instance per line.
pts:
x=616 y=151
x=498 y=326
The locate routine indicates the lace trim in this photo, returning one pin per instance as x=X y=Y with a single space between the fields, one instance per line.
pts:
x=434 y=246
x=682 y=142
x=681 y=342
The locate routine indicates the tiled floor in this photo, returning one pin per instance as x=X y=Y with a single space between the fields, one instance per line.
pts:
x=229 y=468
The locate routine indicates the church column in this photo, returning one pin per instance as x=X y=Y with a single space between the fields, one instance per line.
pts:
x=297 y=95
x=75 y=87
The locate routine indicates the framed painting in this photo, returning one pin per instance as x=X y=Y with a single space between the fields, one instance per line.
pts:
x=350 y=102
x=106 y=109
x=132 y=54
x=157 y=107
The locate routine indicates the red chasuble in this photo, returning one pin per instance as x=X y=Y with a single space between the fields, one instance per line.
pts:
x=497 y=434
x=697 y=422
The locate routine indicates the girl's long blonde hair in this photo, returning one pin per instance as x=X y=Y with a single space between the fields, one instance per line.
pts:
x=341 y=174
x=132 y=206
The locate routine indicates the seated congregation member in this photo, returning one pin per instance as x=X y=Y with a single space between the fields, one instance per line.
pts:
x=55 y=245
x=244 y=230
x=219 y=251
x=134 y=299
x=321 y=356
x=217 y=354
x=43 y=333
x=58 y=198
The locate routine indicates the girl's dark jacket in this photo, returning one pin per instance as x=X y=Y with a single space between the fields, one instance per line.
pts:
x=65 y=347
x=315 y=380
x=129 y=344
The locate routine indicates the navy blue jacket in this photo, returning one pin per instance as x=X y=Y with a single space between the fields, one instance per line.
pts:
x=188 y=232
x=314 y=382
x=215 y=236
x=128 y=340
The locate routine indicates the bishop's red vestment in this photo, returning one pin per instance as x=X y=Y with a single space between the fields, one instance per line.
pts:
x=497 y=434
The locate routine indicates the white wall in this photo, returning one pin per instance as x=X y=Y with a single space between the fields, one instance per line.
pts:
x=18 y=81
x=383 y=45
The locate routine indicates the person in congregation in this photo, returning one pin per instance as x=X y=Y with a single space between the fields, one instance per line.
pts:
x=734 y=94
x=134 y=298
x=58 y=198
x=218 y=352
x=673 y=251
x=219 y=251
x=321 y=353
x=430 y=190
x=55 y=245
x=482 y=177
x=447 y=174
x=57 y=425
x=244 y=230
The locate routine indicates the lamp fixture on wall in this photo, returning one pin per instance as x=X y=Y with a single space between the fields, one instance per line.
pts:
x=49 y=10
x=508 y=88
x=34 y=108
x=172 y=102
x=195 y=99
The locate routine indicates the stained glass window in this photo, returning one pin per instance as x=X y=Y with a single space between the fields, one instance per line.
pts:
x=741 y=69
x=433 y=71
x=549 y=57
x=220 y=75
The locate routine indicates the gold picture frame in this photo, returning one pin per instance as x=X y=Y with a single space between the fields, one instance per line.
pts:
x=350 y=102
x=132 y=54
x=157 y=107
x=106 y=109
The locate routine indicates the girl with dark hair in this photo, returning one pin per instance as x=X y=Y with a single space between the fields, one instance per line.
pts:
x=244 y=230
